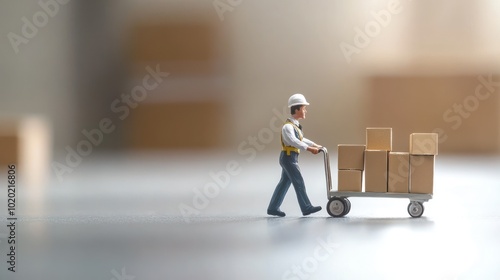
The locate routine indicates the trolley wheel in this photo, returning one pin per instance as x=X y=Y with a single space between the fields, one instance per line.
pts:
x=415 y=209
x=336 y=207
x=348 y=206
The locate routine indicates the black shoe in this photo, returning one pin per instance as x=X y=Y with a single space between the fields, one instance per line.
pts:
x=311 y=210
x=276 y=213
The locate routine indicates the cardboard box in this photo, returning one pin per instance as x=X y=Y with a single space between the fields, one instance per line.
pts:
x=9 y=150
x=27 y=143
x=350 y=180
x=417 y=101
x=351 y=157
x=424 y=144
x=190 y=133
x=376 y=171
x=167 y=41
x=379 y=139
x=421 y=174
x=399 y=172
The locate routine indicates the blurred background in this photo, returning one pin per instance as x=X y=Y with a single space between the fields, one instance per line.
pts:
x=168 y=91
x=230 y=65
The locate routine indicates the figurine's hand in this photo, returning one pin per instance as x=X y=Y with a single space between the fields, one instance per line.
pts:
x=313 y=150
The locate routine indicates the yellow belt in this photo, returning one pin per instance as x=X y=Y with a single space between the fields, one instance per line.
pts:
x=289 y=149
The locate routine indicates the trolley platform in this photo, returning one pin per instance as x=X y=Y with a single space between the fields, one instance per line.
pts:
x=339 y=204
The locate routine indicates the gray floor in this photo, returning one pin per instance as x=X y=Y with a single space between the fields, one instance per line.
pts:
x=119 y=218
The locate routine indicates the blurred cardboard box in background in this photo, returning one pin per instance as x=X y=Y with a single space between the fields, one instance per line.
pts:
x=461 y=108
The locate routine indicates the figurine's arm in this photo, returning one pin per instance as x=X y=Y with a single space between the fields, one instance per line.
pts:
x=290 y=139
x=310 y=143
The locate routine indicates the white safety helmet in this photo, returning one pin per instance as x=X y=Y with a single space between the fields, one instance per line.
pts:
x=297 y=99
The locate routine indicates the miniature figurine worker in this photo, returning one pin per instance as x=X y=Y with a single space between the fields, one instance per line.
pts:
x=292 y=142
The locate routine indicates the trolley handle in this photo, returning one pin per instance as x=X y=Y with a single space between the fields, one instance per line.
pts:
x=328 y=175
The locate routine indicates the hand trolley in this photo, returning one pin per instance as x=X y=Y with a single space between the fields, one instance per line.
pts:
x=339 y=204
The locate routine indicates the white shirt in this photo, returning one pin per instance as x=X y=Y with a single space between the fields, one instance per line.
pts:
x=289 y=138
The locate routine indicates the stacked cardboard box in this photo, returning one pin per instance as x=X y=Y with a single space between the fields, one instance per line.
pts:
x=387 y=171
x=350 y=167
x=378 y=146
x=423 y=149
x=399 y=172
x=379 y=139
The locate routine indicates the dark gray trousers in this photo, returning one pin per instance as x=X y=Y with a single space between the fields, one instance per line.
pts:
x=290 y=175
